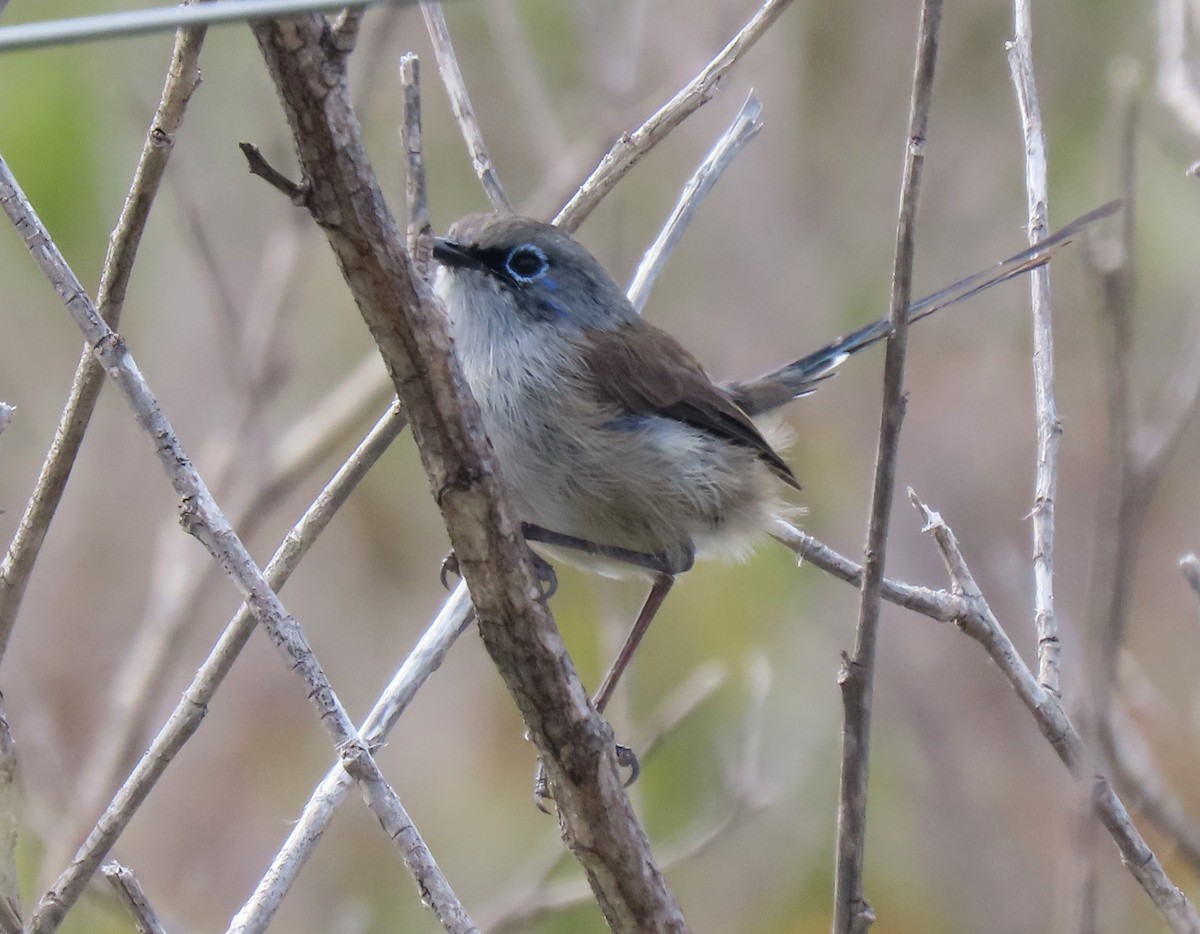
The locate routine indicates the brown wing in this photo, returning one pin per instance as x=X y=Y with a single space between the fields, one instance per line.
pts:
x=647 y=372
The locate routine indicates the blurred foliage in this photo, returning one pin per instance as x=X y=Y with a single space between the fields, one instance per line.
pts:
x=970 y=822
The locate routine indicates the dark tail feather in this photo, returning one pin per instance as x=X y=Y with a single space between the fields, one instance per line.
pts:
x=805 y=375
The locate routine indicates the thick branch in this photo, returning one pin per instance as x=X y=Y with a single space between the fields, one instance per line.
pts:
x=517 y=629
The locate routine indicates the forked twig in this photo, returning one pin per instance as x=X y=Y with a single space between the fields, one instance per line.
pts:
x=977 y=621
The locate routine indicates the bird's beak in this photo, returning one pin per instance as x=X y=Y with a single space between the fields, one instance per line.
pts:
x=449 y=253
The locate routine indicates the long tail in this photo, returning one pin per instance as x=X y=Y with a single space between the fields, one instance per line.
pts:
x=805 y=375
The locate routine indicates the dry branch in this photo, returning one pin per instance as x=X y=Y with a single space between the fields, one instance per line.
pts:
x=202 y=518
x=183 y=77
x=1049 y=427
x=852 y=914
x=975 y=618
x=517 y=629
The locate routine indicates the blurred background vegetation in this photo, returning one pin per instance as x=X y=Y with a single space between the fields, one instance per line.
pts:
x=971 y=823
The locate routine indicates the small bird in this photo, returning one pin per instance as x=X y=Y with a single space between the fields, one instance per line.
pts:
x=613 y=442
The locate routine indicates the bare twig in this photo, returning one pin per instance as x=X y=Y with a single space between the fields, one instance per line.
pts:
x=202 y=517
x=745 y=127
x=852 y=914
x=598 y=822
x=129 y=891
x=1190 y=565
x=419 y=232
x=931 y=603
x=1049 y=427
x=977 y=621
x=426 y=657
x=183 y=77
x=697 y=92
x=161 y=19
x=175 y=600
x=186 y=718
x=460 y=103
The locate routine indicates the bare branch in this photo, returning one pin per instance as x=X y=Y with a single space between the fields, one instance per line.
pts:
x=1049 y=426
x=129 y=891
x=183 y=77
x=745 y=127
x=460 y=103
x=978 y=622
x=202 y=517
x=426 y=657
x=852 y=914
x=936 y=604
x=517 y=629
x=697 y=92
x=174 y=601
x=185 y=719
x=161 y=19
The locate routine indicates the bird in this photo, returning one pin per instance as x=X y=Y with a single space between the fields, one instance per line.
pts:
x=617 y=449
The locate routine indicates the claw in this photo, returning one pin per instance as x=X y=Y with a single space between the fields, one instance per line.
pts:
x=449 y=566
x=547 y=578
x=627 y=759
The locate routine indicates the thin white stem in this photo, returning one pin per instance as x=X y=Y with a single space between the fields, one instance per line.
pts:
x=1049 y=426
x=162 y=19
x=745 y=127
x=426 y=657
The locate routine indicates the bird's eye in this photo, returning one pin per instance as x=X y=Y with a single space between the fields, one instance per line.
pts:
x=526 y=262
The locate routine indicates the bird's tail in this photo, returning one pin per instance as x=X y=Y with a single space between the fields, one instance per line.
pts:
x=805 y=375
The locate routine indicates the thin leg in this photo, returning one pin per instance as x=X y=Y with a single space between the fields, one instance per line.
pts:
x=625 y=756
x=658 y=593
x=651 y=562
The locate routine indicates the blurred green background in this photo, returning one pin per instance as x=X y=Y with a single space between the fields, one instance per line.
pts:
x=971 y=824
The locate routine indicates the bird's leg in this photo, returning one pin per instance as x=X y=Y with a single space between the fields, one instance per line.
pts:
x=660 y=564
x=626 y=757
x=658 y=593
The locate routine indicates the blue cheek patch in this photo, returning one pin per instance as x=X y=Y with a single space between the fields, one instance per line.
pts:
x=628 y=423
x=551 y=306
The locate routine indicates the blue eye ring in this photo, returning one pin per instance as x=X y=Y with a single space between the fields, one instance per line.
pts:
x=526 y=262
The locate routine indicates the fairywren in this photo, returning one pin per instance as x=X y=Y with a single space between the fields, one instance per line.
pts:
x=611 y=439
